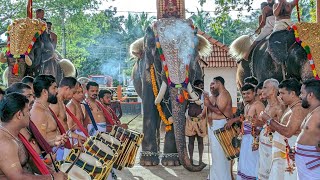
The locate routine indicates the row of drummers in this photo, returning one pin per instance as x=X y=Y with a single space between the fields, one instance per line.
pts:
x=101 y=153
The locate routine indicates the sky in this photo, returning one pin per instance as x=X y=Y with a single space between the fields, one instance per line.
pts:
x=150 y=6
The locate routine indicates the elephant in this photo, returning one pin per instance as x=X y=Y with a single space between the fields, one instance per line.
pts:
x=42 y=59
x=279 y=57
x=173 y=34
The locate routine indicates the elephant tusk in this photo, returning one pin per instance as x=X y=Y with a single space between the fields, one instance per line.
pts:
x=162 y=91
x=193 y=95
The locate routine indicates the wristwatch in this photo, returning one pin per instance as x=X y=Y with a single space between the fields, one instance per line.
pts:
x=269 y=121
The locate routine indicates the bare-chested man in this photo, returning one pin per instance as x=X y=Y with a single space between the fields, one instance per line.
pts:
x=53 y=36
x=282 y=12
x=95 y=107
x=275 y=110
x=307 y=154
x=75 y=108
x=249 y=156
x=288 y=128
x=66 y=90
x=14 y=157
x=218 y=109
x=45 y=89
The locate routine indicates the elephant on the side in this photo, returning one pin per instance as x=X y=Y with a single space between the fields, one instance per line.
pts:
x=181 y=48
x=278 y=57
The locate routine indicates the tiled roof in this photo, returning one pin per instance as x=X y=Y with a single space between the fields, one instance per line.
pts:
x=219 y=56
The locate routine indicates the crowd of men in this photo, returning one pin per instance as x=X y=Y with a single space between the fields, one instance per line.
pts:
x=41 y=121
x=280 y=131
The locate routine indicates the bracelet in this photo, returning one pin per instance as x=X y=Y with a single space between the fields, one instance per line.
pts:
x=52 y=177
x=269 y=122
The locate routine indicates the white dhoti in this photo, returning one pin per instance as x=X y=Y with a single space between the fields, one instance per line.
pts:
x=267 y=29
x=282 y=24
x=279 y=162
x=75 y=140
x=220 y=168
x=265 y=152
x=248 y=160
x=307 y=162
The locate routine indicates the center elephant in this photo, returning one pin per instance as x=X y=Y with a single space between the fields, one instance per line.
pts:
x=176 y=67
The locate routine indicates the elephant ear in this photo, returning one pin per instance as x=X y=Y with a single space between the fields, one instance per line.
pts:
x=68 y=68
x=204 y=46
x=136 y=48
x=278 y=46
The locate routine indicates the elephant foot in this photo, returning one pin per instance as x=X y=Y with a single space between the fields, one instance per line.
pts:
x=148 y=158
x=170 y=159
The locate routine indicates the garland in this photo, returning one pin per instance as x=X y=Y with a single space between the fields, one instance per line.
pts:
x=308 y=51
x=155 y=92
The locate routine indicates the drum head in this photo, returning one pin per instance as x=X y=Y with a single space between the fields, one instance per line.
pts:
x=110 y=139
x=90 y=160
x=103 y=147
x=75 y=173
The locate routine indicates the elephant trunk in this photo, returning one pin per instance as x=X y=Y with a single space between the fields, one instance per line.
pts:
x=179 y=122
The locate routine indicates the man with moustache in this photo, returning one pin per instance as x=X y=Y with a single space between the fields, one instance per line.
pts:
x=45 y=89
x=275 y=110
x=258 y=90
x=66 y=90
x=288 y=128
x=14 y=115
x=307 y=151
x=218 y=109
x=75 y=113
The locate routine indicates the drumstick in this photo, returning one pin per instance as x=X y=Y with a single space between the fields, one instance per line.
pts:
x=133 y=119
x=73 y=163
x=67 y=132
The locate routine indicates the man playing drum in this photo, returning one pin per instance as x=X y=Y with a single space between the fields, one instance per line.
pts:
x=249 y=156
x=15 y=115
x=45 y=89
x=218 y=109
x=275 y=110
x=287 y=128
x=307 y=154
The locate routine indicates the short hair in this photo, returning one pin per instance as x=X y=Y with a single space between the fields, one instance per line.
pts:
x=291 y=85
x=50 y=23
x=39 y=10
x=68 y=81
x=42 y=82
x=197 y=82
x=313 y=85
x=17 y=87
x=10 y=105
x=259 y=86
x=263 y=4
x=2 y=91
x=247 y=87
x=273 y=82
x=91 y=83
x=220 y=79
x=27 y=79
x=103 y=92
x=251 y=80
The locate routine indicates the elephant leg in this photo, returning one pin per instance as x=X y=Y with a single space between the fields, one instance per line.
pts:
x=151 y=120
x=170 y=153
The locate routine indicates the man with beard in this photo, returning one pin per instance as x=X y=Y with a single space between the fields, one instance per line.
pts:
x=265 y=27
x=288 y=128
x=66 y=90
x=307 y=154
x=105 y=97
x=249 y=156
x=75 y=113
x=275 y=110
x=14 y=115
x=45 y=89
x=195 y=126
x=218 y=110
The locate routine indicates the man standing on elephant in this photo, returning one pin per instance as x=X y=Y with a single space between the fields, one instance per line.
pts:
x=282 y=11
x=275 y=110
x=287 y=128
x=195 y=126
x=218 y=110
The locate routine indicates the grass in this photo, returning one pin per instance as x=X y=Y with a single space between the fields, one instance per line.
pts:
x=136 y=124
